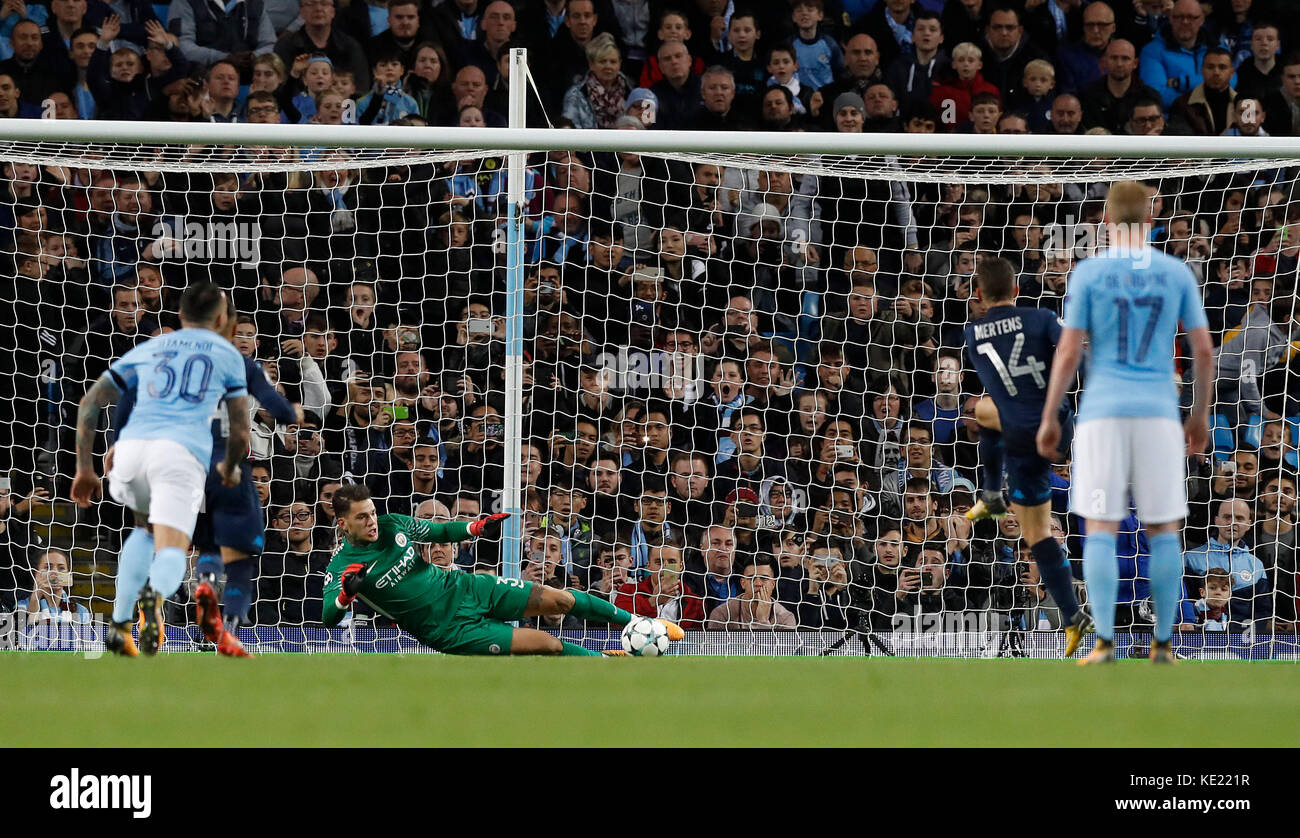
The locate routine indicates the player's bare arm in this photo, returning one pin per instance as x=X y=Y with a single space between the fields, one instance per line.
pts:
x=1197 y=426
x=1069 y=352
x=237 y=443
x=86 y=484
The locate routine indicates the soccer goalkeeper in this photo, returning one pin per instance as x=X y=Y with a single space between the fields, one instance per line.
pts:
x=457 y=613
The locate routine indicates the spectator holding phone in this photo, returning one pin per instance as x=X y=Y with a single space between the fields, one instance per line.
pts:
x=51 y=594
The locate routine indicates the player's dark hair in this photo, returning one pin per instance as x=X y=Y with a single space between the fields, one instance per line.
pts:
x=202 y=302
x=996 y=278
x=348 y=495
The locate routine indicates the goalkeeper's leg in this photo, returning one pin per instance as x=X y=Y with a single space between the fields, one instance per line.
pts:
x=553 y=602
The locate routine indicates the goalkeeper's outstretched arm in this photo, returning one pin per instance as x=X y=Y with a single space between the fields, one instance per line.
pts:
x=432 y=532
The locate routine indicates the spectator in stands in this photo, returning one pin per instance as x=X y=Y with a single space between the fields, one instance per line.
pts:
x=953 y=94
x=825 y=603
x=913 y=72
x=11 y=104
x=291 y=572
x=690 y=493
x=1251 y=592
x=567 y=52
x=1256 y=345
x=919 y=463
x=1247 y=118
x=319 y=35
x=498 y=24
x=31 y=69
x=1108 y=101
x=1146 y=118
x=660 y=593
x=1006 y=52
x=965 y=20
x=1261 y=73
x=602 y=98
x=1067 y=114
x=819 y=55
x=211 y=32
x=50 y=598
x=1171 y=63
x=943 y=411
x=755 y=606
x=1080 y=62
x=1213 y=608
x=1276 y=544
x=713 y=579
x=679 y=90
x=406 y=32
x=1207 y=108
x=941 y=585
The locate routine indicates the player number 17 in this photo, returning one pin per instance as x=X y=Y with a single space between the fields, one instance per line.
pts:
x=1013 y=369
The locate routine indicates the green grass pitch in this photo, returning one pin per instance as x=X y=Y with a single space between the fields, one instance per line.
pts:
x=382 y=700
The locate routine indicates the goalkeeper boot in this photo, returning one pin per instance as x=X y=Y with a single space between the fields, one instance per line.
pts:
x=1103 y=652
x=990 y=505
x=208 y=612
x=119 y=641
x=230 y=647
x=675 y=632
x=614 y=653
x=151 y=627
x=1074 y=632
x=1163 y=652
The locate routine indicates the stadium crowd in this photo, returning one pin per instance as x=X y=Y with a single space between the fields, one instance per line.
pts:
x=745 y=401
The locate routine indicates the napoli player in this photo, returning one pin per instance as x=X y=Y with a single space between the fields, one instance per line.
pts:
x=160 y=459
x=1128 y=301
x=1011 y=348
x=231 y=529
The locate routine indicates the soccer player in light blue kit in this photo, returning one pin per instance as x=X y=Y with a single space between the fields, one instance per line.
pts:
x=1128 y=301
x=160 y=462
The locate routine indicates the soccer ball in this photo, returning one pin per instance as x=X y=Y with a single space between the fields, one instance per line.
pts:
x=645 y=638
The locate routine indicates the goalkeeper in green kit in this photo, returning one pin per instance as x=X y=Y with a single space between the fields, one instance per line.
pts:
x=457 y=613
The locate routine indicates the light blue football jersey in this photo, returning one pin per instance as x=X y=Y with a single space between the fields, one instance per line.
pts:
x=1130 y=305
x=179 y=379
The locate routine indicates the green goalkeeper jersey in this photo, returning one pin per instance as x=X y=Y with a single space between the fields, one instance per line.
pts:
x=399 y=582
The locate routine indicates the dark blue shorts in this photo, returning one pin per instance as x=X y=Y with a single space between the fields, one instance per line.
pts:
x=232 y=516
x=1029 y=476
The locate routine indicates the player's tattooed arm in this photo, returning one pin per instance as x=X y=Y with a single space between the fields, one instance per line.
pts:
x=237 y=443
x=100 y=395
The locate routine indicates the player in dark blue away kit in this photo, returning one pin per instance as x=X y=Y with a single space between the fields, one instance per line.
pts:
x=1012 y=348
x=230 y=531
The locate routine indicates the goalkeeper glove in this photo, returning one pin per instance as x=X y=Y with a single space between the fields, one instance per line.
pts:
x=353 y=575
x=489 y=525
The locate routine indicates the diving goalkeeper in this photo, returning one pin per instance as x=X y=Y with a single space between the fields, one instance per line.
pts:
x=457 y=613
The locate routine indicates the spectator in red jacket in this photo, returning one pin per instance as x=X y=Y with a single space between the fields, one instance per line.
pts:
x=952 y=96
x=660 y=592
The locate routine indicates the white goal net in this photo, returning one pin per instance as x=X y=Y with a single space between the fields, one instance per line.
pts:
x=744 y=403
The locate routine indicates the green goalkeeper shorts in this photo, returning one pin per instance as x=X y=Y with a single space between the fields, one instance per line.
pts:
x=481 y=623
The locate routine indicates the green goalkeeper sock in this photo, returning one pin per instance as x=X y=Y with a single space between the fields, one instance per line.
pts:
x=574 y=650
x=588 y=607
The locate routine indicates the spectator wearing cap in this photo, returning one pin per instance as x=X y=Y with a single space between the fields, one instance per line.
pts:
x=718 y=94
x=210 y=31
x=953 y=94
x=643 y=105
x=319 y=35
x=679 y=90
x=913 y=72
x=602 y=97
x=850 y=113
x=660 y=592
